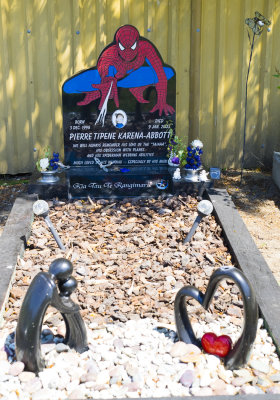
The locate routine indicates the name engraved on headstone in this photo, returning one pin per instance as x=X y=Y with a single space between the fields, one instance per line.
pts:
x=85 y=141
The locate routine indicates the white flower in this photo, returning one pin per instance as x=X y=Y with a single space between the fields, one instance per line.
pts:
x=44 y=163
x=197 y=143
x=260 y=23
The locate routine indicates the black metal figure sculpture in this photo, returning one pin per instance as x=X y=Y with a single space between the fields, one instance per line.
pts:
x=239 y=354
x=41 y=294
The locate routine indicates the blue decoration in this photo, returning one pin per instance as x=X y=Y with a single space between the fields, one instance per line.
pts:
x=124 y=170
x=193 y=158
x=140 y=77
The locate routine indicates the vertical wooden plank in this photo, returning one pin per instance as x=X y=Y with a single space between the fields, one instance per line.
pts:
x=265 y=76
x=218 y=135
x=272 y=141
x=124 y=12
x=88 y=33
x=136 y=15
x=32 y=112
x=64 y=41
x=195 y=59
x=207 y=73
x=76 y=34
x=56 y=100
x=42 y=75
x=173 y=34
x=23 y=146
x=112 y=18
x=161 y=30
x=8 y=161
x=150 y=18
x=253 y=105
x=183 y=70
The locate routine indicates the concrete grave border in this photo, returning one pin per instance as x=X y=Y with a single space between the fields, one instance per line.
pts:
x=18 y=228
x=12 y=244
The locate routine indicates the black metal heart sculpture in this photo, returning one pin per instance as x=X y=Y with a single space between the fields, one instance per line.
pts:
x=239 y=354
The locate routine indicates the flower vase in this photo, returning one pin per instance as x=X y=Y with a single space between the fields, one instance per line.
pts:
x=49 y=176
x=192 y=175
x=171 y=164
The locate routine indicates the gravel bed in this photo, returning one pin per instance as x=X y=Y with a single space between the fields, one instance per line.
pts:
x=130 y=262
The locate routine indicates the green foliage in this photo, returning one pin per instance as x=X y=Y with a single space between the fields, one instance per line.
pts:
x=13 y=182
x=176 y=148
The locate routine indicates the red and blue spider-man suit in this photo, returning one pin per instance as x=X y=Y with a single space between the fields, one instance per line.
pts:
x=122 y=65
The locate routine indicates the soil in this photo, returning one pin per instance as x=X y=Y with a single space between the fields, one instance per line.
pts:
x=257 y=200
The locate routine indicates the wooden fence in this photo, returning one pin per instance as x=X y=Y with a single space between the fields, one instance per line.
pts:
x=42 y=43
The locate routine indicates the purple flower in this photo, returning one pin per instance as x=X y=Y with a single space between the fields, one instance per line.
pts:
x=175 y=160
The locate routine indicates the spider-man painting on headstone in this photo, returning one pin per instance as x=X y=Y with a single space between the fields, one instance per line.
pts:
x=123 y=110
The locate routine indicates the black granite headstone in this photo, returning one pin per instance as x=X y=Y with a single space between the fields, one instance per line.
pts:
x=120 y=114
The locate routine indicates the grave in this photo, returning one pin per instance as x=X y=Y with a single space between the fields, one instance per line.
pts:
x=118 y=118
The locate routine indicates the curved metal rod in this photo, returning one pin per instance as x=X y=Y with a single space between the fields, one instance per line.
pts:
x=183 y=324
x=42 y=293
x=239 y=354
x=37 y=299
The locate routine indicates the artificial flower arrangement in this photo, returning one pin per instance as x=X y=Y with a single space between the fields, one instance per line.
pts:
x=194 y=152
x=176 y=151
x=47 y=163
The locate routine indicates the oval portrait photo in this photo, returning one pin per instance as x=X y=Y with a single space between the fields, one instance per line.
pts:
x=119 y=119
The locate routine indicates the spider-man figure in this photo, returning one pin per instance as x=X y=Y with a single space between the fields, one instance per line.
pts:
x=122 y=65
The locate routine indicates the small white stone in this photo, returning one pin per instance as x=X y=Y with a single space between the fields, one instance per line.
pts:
x=276 y=364
x=102 y=378
x=16 y=368
x=212 y=361
x=261 y=365
x=61 y=347
x=26 y=376
x=248 y=390
x=109 y=356
x=205 y=378
x=205 y=391
x=48 y=376
x=4 y=366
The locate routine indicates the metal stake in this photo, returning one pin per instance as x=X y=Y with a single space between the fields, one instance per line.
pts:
x=41 y=208
x=204 y=208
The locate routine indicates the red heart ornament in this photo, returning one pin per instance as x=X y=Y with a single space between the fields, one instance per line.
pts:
x=217 y=345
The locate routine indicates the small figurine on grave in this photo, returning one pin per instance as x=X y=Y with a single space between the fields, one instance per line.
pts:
x=203 y=176
x=177 y=174
x=131 y=62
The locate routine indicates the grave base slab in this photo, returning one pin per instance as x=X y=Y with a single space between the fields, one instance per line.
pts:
x=82 y=182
